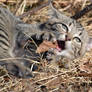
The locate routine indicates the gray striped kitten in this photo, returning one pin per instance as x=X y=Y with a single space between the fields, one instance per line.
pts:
x=72 y=39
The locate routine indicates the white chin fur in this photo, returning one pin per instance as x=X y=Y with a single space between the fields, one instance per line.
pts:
x=66 y=53
x=68 y=45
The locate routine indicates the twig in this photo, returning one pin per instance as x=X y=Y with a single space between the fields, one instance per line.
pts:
x=20 y=9
x=34 y=10
x=66 y=8
x=82 y=12
x=18 y=58
x=14 y=1
x=13 y=84
x=84 y=3
x=17 y=6
x=52 y=76
x=85 y=74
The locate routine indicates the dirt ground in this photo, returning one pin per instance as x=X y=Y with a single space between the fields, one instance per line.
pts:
x=78 y=78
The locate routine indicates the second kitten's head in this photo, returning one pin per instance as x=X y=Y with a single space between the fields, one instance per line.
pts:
x=72 y=38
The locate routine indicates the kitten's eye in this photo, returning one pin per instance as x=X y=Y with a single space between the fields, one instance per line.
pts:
x=65 y=27
x=77 y=39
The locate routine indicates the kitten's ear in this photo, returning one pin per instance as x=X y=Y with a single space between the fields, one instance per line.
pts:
x=89 y=45
x=54 y=12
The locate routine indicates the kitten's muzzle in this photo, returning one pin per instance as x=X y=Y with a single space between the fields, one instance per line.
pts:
x=61 y=45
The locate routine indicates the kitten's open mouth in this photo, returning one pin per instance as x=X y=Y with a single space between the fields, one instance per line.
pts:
x=60 y=46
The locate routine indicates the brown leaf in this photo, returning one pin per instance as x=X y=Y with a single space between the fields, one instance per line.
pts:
x=45 y=46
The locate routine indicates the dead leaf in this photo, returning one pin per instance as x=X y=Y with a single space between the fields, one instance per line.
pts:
x=45 y=46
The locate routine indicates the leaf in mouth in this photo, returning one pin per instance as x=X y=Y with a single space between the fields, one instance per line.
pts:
x=45 y=46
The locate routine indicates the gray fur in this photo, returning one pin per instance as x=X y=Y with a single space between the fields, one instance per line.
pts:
x=55 y=24
x=13 y=36
x=59 y=27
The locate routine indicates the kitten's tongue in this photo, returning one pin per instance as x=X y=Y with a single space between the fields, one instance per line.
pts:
x=58 y=48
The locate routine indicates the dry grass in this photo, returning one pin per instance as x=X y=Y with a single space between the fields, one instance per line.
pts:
x=52 y=79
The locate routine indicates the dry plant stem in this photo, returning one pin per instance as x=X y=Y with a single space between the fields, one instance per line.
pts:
x=7 y=86
x=51 y=81
x=76 y=16
x=17 y=58
x=84 y=3
x=13 y=84
x=85 y=74
x=66 y=8
x=35 y=45
x=47 y=82
x=14 y=1
x=4 y=5
x=32 y=41
x=21 y=8
x=1 y=77
x=50 y=77
x=29 y=50
x=17 y=6
x=82 y=12
x=56 y=77
x=54 y=90
x=34 y=10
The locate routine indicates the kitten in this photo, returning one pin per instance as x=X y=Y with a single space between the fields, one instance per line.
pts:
x=72 y=39
x=14 y=34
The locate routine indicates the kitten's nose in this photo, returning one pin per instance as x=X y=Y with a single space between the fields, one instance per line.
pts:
x=67 y=38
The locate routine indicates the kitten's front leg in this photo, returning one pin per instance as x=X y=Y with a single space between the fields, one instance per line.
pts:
x=34 y=31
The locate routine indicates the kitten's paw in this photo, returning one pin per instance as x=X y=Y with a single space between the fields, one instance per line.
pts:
x=46 y=36
x=49 y=37
x=18 y=71
x=50 y=56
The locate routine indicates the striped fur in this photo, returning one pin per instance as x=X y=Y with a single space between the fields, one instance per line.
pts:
x=8 y=36
x=13 y=36
x=69 y=34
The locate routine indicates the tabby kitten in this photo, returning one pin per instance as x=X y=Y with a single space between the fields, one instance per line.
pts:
x=73 y=40
x=71 y=37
